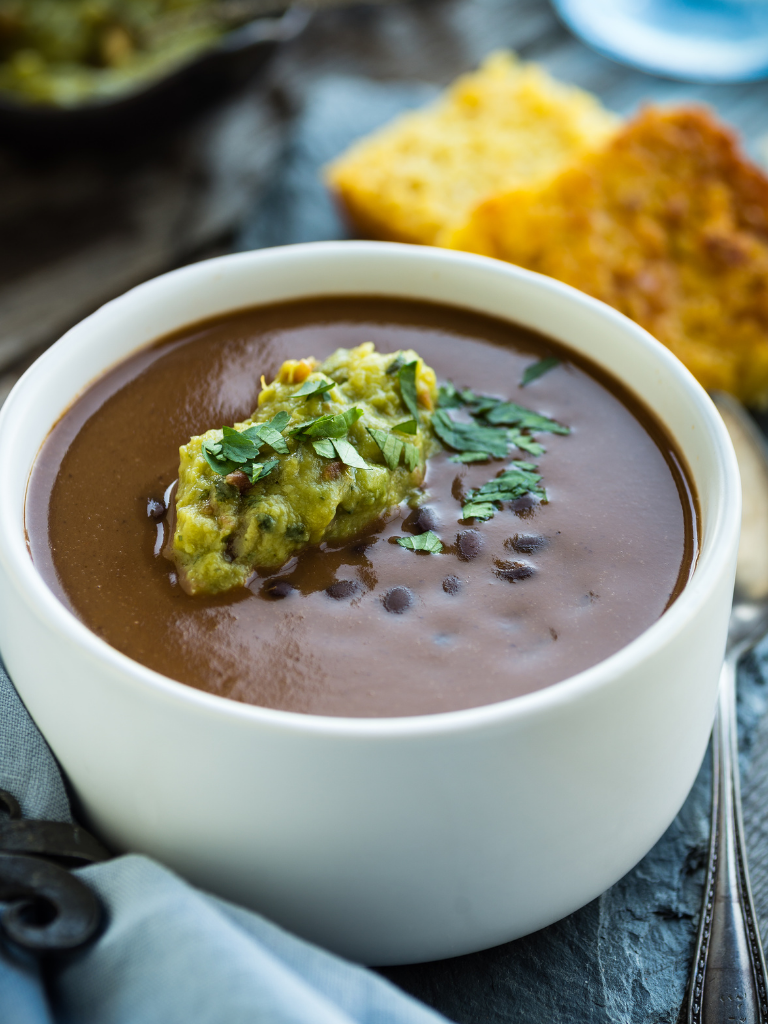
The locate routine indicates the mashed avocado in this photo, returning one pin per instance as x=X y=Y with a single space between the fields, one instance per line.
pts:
x=329 y=449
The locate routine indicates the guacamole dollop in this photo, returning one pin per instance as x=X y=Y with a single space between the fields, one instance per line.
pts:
x=332 y=447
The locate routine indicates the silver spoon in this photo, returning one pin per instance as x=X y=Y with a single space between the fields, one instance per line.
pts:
x=728 y=979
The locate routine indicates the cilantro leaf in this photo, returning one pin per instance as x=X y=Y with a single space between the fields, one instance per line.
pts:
x=406 y=376
x=478 y=405
x=512 y=415
x=518 y=479
x=478 y=510
x=410 y=455
x=325 y=448
x=265 y=432
x=423 y=542
x=391 y=446
x=527 y=444
x=219 y=463
x=278 y=423
x=470 y=457
x=349 y=455
x=314 y=387
x=469 y=437
x=536 y=370
x=280 y=420
x=497 y=412
x=448 y=397
x=258 y=470
x=396 y=364
x=238 y=449
x=330 y=425
x=235 y=446
x=406 y=427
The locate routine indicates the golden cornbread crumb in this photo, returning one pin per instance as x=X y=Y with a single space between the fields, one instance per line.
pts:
x=669 y=224
x=505 y=125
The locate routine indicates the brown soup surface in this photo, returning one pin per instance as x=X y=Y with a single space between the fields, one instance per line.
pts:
x=511 y=605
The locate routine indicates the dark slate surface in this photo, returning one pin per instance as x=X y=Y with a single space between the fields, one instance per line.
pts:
x=624 y=957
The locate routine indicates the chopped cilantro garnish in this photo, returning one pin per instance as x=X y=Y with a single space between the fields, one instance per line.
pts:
x=410 y=455
x=219 y=463
x=236 y=446
x=423 y=542
x=478 y=405
x=470 y=457
x=270 y=432
x=325 y=448
x=512 y=415
x=406 y=376
x=348 y=454
x=239 y=449
x=469 y=437
x=478 y=510
x=536 y=370
x=527 y=444
x=330 y=425
x=518 y=479
x=406 y=427
x=448 y=397
x=396 y=363
x=314 y=387
x=257 y=470
x=280 y=421
x=496 y=412
x=391 y=446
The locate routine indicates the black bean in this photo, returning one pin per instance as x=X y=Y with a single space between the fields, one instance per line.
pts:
x=525 y=543
x=361 y=546
x=426 y=519
x=470 y=544
x=515 y=571
x=524 y=506
x=155 y=509
x=451 y=584
x=398 y=600
x=278 y=588
x=457 y=489
x=342 y=588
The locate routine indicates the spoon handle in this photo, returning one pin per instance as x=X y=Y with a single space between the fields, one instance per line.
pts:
x=728 y=980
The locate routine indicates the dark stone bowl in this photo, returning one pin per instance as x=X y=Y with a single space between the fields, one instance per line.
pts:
x=151 y=108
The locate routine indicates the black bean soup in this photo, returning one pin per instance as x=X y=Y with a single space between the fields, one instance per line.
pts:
x=510 y=605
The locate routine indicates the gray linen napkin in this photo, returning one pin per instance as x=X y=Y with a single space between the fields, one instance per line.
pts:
x=170 y=954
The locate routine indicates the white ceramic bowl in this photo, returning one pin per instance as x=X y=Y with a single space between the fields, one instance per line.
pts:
x=388 y=840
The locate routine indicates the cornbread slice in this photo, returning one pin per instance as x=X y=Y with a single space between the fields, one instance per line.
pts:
x=505 y=125
x=669 y=224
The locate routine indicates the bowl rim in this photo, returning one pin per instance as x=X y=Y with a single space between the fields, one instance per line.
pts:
x=16 y=560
